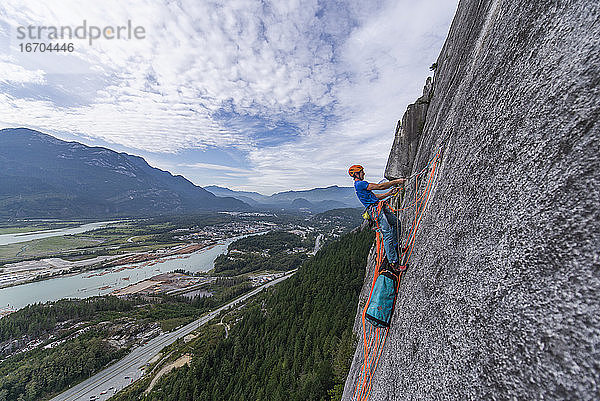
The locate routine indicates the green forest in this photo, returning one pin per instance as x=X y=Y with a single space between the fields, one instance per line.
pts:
x=270 y=251
x=274 y=241
x=38 y=373
x=294 y=342
x=301 y=330
x=34 y=321
x=86 y=326
x=77 y=330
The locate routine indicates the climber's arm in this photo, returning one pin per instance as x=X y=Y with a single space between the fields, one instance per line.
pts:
x=388 y=193
x=385 y=185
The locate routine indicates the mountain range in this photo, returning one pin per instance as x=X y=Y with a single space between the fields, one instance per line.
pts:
x=45 y=177
x=42 y=176
x=317 y=199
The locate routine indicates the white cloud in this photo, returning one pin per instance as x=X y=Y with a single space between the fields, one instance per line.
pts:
x=342 y=73
x=218 y=167
x=13 y=73
x=387 y=60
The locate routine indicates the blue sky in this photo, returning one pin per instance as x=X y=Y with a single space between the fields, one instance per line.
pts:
x=252 y=95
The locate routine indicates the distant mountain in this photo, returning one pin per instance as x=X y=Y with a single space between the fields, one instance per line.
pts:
x=42 y=176
x=248 y=197
x=345 y=195
x=301 y=203
x=316 y=200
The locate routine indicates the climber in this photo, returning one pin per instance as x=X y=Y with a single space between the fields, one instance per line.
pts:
x=386 y=221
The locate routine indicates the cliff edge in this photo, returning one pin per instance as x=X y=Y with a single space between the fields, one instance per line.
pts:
x=500 y=299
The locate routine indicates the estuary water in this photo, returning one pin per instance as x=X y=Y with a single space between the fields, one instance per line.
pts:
x=6 y=239
x=104 y=281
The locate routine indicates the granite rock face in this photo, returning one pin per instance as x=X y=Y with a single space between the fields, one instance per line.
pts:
x=501 y=299
x=407 y=136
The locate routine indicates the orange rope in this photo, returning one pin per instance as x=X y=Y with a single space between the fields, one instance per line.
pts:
x=375 y=340
x=409 y=206
x=370 y=385
x=379 y=260
x=375 y=352
x=365 y=352
x=368 y=352
x=410 y=241
x=419 y=213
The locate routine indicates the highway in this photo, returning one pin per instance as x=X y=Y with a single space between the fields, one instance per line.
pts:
x=109 y=381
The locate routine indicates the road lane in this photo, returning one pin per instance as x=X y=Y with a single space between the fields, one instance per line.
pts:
x=130 y=368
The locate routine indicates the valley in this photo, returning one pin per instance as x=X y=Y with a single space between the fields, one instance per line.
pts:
x=115 y=255
x=127 y=282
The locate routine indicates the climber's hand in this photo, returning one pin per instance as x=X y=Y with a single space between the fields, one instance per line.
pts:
x=400 y=181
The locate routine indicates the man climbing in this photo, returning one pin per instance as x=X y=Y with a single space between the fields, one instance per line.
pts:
x=386 y=221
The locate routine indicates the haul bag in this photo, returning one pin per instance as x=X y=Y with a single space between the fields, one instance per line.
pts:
x=381 y=305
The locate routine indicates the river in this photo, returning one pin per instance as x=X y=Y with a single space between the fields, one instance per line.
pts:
x=318 y=243
x=104 y=281
x=6 y=239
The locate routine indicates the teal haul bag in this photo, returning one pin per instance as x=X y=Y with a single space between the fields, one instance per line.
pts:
x=381 y=305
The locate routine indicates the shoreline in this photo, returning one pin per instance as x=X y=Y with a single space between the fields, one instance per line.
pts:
x=144 y=257
x=9 y=239
x=121 y=262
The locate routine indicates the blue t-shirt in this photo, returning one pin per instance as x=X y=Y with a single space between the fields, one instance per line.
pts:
x=365 y=196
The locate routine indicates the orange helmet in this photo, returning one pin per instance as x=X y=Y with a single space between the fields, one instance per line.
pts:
x=357 y=168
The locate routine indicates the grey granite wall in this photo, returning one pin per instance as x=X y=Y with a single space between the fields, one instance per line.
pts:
x=501 y=299
x=407 y=136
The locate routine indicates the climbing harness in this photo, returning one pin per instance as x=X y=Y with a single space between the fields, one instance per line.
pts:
x=375 y=334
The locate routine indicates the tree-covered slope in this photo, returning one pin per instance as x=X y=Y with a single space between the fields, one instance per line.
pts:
x=292 y=343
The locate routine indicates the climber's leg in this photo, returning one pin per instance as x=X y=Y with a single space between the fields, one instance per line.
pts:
x=394 y=224
x=387 y=235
